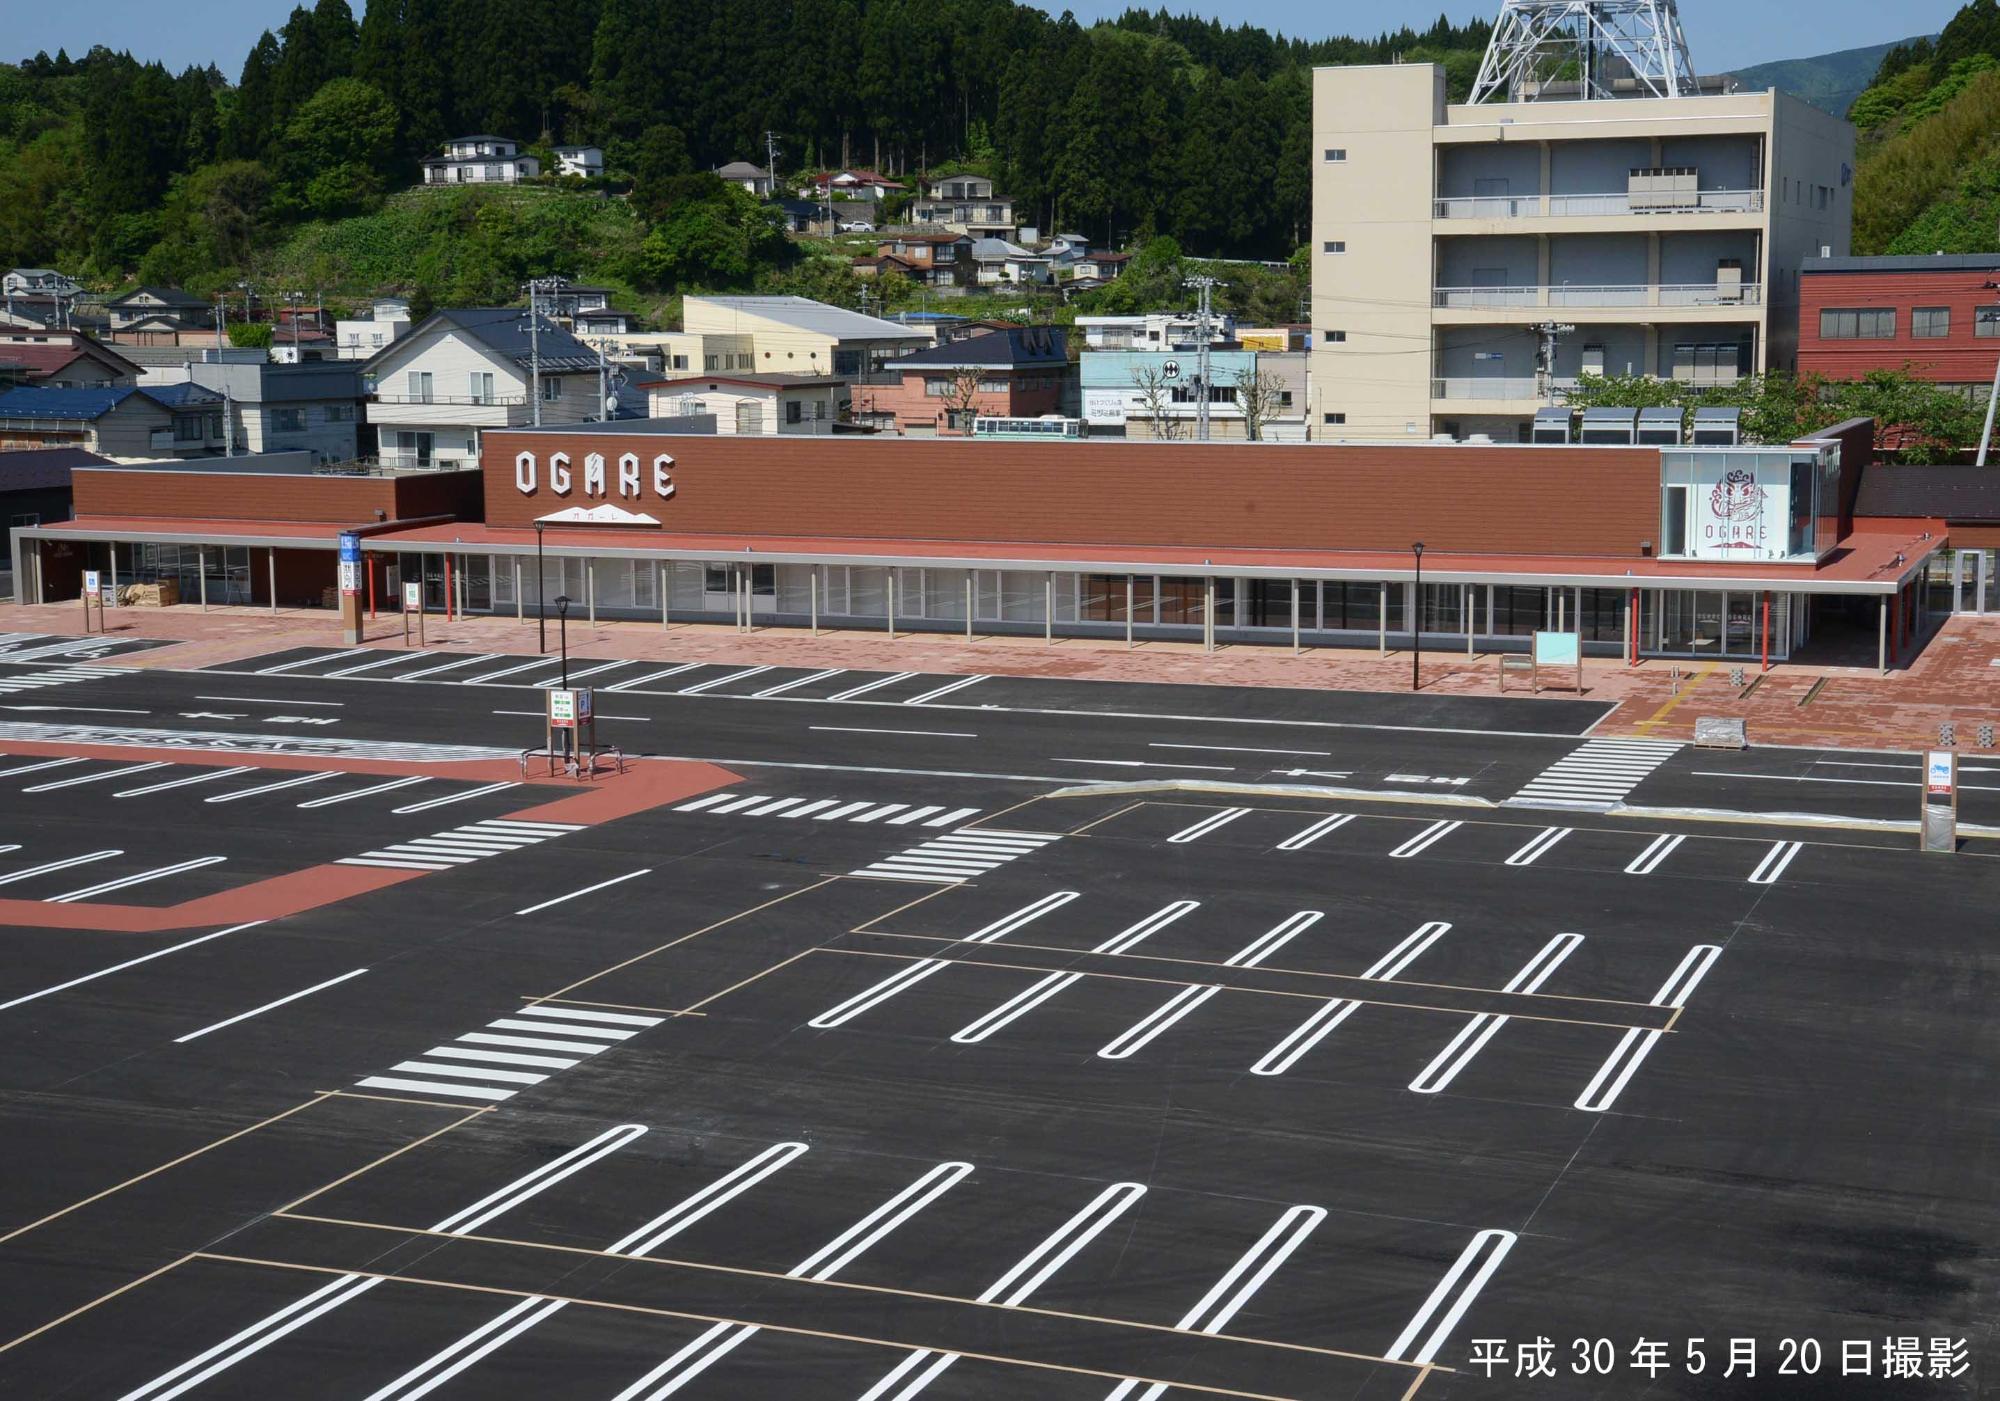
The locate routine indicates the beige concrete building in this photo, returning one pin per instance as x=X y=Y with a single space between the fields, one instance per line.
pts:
x=1660 y=236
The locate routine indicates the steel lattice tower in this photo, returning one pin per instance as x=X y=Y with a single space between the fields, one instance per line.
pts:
x=1592 y=43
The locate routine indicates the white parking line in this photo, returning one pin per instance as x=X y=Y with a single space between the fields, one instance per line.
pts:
x=510 y=671
x=428 y=804
x=451 y=665
x=1152 y=924
x=588 y=889
x=874 y=685
x=1304 y=1037
x=722 y=680
x=268 y=1006
x=1299 y=841
x=1391 y=964
x=1486 y=1250
x=1648 y=861
x=1538 y=846
x=945 y=690
x=206 y=776
x=430 y=1374
x=1481 y=1028
x=37 y=768
x=902 y=980
x=1007 y=924
x=1775 y=860
x=128 y=963
x=532 y=1184
x=62 y=865
x=1207 y=824
x=360 y=667
x=576 y=676
x=685 y=1213
x=158 y=873
x=1014 y=1008
x=95 y=777
x=1638 y=1042
x=805 y=680
x=308 y=661
x=1241 y=749
x=1143 y=1032
x=871 y=730
x=1016 y=1285
x=391 y=786
x=1266 y=944
x=298 y=781
x=1437 y=831
x=653 y=676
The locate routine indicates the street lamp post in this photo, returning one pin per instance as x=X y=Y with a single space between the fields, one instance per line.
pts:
x=1417 y=620
x=562 y=633
x=541 y=596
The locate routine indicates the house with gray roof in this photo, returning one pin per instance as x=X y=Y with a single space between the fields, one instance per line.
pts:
x=128 y=422
x=467 y=369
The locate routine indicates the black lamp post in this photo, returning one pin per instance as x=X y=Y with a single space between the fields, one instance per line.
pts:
x=541 y=596
x=562 y=630
x=1417 y=619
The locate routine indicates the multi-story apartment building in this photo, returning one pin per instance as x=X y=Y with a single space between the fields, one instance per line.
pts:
x=1455 y=246
x=1937 y=313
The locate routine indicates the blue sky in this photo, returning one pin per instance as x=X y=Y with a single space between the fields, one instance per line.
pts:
x=1723 y=34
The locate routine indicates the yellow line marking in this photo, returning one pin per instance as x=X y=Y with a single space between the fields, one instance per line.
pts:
x=619 y=1006
x=1673 y=701
x=465 y=1116
x=403 y=1099
x=1422 y=1377
x=745 y=1272
x=172 y=1163
x=749 y=980
x=708 y=928
x=101 y=1298
x=1258 y=992
x=930 y=894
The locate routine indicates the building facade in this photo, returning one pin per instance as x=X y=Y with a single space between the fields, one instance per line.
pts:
x=481 y=160
x=751 y=403
x=1454 y=245
x=1018 y=372
x=1937 y=315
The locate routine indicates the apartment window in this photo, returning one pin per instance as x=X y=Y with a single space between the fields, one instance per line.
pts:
x=1930 y=323
x=288 y=420
x=482 y=386
x=1334 y=337
x=1858 y=324
x=187 y=427
x=1334 y=245
x=709 y=362
x=551 y=389
x=420 y=386
x=677 y=362
x=1284 y=398
x=936 y=387
x=1334 y=418
x=340 y=413
x=1336 y=154
x=1986 y=321
x=794 y=411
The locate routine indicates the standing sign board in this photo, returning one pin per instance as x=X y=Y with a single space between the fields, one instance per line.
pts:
x=572 y=728
x=413 y=602
x=93 y=589
x=1559 y=649
x=1939 y=813
x=350 y=564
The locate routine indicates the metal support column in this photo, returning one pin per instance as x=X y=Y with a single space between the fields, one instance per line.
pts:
x=1208 y=614
x=813 y=601
x=1049 y=608
x=201 y=575
x=1882 y=636
x=520 y=603
x=968 y=605
x=1128 y=612
x=112 y=546
x=1295 y=617
x=1382 y=639
x=666 y=595
x=891 y=572
x=271 y=561
x=1468 y=607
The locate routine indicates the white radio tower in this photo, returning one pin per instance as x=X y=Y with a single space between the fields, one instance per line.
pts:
x=1605 y=48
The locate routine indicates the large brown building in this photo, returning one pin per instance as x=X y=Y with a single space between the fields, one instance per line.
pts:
x=1646 y=550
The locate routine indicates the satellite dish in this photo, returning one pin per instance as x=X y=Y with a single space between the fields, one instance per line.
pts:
x=611 y=403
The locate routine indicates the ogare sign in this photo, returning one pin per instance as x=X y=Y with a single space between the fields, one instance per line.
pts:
x=626 y=477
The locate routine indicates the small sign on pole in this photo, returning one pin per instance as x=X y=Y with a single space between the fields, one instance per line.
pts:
x=572 y=725
x=413 y=602
x=350 y=564
x=93 y=592
x=1938 y=815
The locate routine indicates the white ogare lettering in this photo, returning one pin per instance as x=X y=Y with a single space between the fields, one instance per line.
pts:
x=595 y=478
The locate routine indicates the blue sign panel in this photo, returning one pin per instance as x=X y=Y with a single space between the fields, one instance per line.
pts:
x=350 y=549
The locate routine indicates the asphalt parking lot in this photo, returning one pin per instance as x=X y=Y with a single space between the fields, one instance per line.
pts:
x=866 y=1067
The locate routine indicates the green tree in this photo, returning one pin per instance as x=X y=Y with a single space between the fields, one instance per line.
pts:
x=338 y=148
x=251 y=335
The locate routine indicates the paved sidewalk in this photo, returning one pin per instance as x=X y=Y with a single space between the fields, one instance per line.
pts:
x=1955 y=679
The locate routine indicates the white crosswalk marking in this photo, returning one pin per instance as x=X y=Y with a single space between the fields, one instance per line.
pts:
x=733 y=804
x=459 y=846
x=1596 y=774
x=438 y=1072
x=12 y=683
x=959 y=856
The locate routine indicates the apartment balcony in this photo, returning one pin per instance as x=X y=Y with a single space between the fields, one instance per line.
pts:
x=1614 y=205
x=168 y=440
x=452 y=410
x=1679 y=301
x=1490 y=387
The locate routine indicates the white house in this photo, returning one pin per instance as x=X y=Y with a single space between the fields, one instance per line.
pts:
x=363 y=336
x=37 y=282
x=751 y=403
x=753 y=179
x=998 y=263
x=586 y=161
x=469 y=369
x=481 y=160
x=288 y=408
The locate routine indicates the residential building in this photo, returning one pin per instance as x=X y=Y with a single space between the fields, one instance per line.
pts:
x=1100 y=267
x=466 y=371
x=62 y=360
x=965 y=204
x=37 y=282
x=1937 y=314
x=1271 y=337
x=1156 y=394
x=792 y=335
x=481 y=160
x=1455 y=243
x=931 y=259
x=584 y=161
x=158 y=309
x=1154 y=330
x=753 y=179
x=312 y=408
x=35 y=487
x=126 y=422
x=1019 y=372
x=998 y=263
x=751 y=403
x=853 y=184
x=361 y=337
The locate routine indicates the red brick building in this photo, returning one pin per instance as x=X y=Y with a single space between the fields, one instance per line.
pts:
x=1018 y=372
x=1940 y=315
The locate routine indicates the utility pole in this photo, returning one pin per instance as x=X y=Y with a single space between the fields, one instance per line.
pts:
x=1204 y=288
x=536 y=286
x=771 y=160
x=1992 y=397
x=1545 y=367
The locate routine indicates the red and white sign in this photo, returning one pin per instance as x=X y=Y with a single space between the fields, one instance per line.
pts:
x=598 y=478
x=568 y=709
x=1940 y=773
x=350 y=578
x=92 y=589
